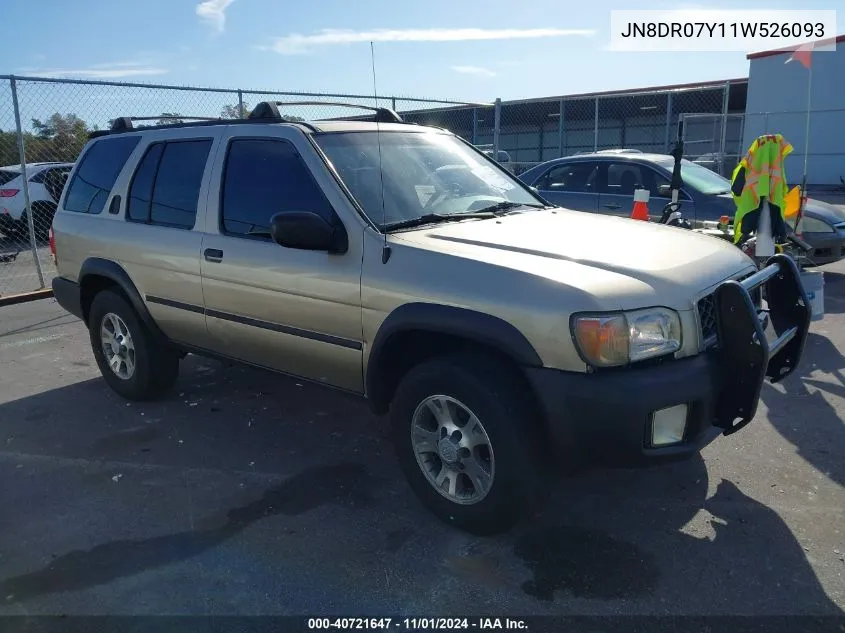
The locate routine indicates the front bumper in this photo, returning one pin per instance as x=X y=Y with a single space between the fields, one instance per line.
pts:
x=605 y=417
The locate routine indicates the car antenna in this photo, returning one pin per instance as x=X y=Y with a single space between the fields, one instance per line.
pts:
x=385 y=250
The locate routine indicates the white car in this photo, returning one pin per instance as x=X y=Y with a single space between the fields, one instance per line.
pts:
x=46 y=181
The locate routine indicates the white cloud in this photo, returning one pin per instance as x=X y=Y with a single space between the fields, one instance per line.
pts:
x=102 y=71
x=474 y=70
x=297 y=44
x=213 y=12
x=115 y=65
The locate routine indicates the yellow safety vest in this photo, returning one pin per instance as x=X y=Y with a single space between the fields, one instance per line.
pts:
x=764 y=176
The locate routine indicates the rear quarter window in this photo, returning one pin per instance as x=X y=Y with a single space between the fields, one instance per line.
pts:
x=7 y=176
x=98 y=170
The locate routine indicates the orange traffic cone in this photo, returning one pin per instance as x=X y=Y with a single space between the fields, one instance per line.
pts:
x=640 y=211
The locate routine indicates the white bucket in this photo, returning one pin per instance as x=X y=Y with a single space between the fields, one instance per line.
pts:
x=813 y=281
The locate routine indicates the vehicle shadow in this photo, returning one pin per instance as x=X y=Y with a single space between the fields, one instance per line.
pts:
x=317 y=468
x=804 y=417
x=655 y=537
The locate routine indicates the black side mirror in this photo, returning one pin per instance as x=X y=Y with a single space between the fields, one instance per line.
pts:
x=664 y=191
x=308 y=231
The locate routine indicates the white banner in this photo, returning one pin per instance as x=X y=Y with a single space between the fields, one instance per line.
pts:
x=707 y=30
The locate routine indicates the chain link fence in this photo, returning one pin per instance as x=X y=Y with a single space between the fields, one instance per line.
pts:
x=47 y=121
x=44 y=124
x=536 y=130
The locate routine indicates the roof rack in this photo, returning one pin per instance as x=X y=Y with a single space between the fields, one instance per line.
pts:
x=270 y=110
x=124 y=123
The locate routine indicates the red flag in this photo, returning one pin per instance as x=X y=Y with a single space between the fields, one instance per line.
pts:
x=802 y=55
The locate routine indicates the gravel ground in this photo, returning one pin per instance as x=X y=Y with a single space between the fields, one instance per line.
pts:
x=247 y=493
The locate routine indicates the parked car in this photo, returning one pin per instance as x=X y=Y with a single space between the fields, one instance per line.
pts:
x=604 y=183
x=46 y=181
x=400 y=264
x=503 y=156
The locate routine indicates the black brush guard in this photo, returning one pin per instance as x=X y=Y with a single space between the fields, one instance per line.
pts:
x=746 y=357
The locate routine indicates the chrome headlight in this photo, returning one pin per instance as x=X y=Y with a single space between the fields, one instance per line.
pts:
x=619 y=338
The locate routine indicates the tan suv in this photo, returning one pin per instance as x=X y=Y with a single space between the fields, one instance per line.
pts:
x=399 y=263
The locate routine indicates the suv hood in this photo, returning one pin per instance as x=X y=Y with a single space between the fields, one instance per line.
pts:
x=619 y=262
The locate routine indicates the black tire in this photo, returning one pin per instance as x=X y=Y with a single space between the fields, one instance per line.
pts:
x=156 y=366
x=492 y=391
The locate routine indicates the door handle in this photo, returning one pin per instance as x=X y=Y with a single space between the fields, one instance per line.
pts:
x=213 y=255
x=612 y=206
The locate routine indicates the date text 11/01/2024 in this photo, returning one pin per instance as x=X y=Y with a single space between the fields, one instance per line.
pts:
x=417 y=624
x=723 y=29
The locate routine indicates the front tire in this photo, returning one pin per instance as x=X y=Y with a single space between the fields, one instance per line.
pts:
x=132 y=362
x=464 y=430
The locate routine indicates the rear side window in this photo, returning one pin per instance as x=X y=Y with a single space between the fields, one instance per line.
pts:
x=166 y=186
x=7 y=176
x=265 y=177
x=97 y=172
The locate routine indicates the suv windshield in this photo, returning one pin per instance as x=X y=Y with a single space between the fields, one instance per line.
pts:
x=425 y=174
x=704 y=180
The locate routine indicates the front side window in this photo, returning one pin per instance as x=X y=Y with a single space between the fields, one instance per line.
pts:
x=623 y=178
x=264 y=177
x=97 y=173
x=401 y=176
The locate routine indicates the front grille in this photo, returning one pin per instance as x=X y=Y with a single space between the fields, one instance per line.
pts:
x=707 y=317
x=707 y=313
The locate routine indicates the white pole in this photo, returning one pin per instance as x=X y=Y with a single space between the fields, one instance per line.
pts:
x=803 y=190
x=807 y=129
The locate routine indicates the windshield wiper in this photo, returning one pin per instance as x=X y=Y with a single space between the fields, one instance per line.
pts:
x=433 y=218
x=506 y=205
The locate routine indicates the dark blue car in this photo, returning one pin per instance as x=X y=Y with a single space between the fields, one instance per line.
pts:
x=604 y=182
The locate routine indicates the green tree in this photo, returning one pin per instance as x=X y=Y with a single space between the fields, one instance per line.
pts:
x=59 y=138
x=232 y=111
x=172 y=120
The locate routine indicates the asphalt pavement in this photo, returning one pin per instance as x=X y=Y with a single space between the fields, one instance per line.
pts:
x=18 y=270
x=248 y=493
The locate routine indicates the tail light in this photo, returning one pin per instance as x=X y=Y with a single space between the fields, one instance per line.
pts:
x=53 y=247
x=9 y=193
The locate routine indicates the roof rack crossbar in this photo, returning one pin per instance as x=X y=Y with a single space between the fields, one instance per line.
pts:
x=270 y=110
x=125 y=123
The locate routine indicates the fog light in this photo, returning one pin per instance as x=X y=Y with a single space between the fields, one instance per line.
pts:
x=667 y=425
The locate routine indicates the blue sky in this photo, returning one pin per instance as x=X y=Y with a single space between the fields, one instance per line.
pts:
x=280 y=45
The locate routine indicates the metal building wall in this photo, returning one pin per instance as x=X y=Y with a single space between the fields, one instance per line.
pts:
x=777 y=103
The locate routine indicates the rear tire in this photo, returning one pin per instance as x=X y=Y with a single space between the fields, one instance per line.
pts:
x=131 y=360
x=441 y=400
